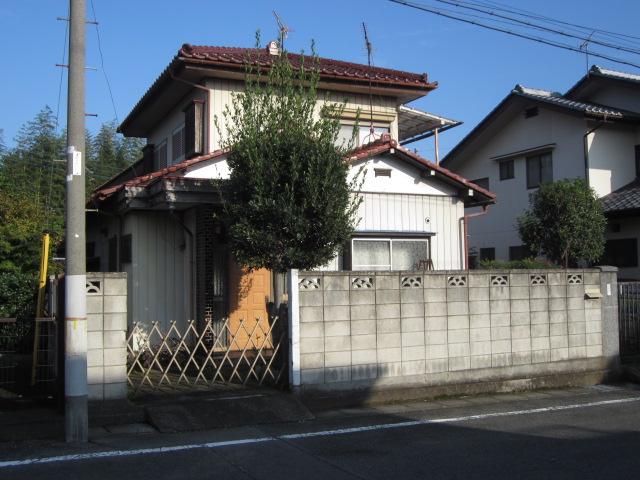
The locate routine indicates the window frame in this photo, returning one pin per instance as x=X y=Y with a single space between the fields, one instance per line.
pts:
x=158 y=162
x=390 y=241
x=510 y=170
x=538 y=157
x=361 y=126
x=182 y=154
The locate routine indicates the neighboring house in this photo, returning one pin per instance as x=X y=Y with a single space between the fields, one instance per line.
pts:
x=162 y=222
x=535 y=136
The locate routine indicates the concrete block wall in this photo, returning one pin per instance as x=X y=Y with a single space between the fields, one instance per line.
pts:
x=106 y=335
x=377 y=328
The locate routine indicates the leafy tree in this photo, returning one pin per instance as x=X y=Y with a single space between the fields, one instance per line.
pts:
x=290 y=203
x=565 y=223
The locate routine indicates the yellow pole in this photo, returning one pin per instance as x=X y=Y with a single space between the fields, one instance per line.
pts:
x=42 y=283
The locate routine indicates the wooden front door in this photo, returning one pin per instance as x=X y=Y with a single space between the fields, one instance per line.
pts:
x=249 y=293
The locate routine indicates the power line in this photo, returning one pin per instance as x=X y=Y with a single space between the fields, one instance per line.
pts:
x=544 y=41
x=104 y=70
x=469 y=6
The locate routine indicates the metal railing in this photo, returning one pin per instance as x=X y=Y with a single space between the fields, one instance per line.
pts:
x=629 y=318
x=230 y=352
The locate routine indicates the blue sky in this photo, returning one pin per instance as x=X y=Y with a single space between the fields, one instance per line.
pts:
x=474 y=67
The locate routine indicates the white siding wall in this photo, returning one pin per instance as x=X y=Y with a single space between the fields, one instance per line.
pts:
x=498 y=227
x=611 y=158
x=160 y=275
x=623 y=97
x=384 y=212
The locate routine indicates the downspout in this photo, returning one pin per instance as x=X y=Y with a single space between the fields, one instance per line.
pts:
x=192 y=262
x=465 y=221
x=585 y=139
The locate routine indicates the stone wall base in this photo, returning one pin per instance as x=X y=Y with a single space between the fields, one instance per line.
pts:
x=573 y=373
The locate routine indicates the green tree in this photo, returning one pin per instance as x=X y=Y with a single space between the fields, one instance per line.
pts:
x=289 y=199
x=565 y=223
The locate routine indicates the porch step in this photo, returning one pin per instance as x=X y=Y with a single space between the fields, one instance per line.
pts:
x=220 y=410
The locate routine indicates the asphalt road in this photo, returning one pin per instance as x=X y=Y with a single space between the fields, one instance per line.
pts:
x=581 y=433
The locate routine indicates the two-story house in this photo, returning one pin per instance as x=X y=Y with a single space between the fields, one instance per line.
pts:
x=161 y=220
x=533 y=136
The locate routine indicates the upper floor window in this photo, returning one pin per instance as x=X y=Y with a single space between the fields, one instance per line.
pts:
x=363 y=134
x=507 y=169
x=539 y=170
x=482 y=182
x=160 y=155
x=177 y=144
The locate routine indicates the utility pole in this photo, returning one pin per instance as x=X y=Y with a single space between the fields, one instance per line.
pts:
x=75 y=321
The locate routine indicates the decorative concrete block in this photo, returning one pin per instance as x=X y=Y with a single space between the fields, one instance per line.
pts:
x=336 y=297
x=115 y=356
x=412 y=339
x=458 y=322
x=480 y=361
x=94 y=322
x=576 y=316
x=437 y=351
x=413 y=324
x=500 y=346
x=519 y=293
x=538 y=292
x=558 y=316
x=391 y=310
x=459 y=363
x=457 y=308
x=312 y=376
x=411 y=295
x=575 y=303
x=390 y=296
x=578 y=352
x=337 y=374
x=435 y=295
x=556 y=329
x=459 y=350
x=593 y=315
x=520 y=306
x=500 y=306
x=576 y=291
x=479 y=334
x=436 y=309
x=115 y=286
x=94 y=340
x=500 y=320
x=95 y=358
x=501 y=359
x=521 y=358
x=479 y=280
x=579 y=340
x=415 y=367
x=95 y=375
x=591 y=278
x=115 y=339
x=337 y=359
x=458 y=294
x=436 y=365
x=413 y=353
x=311 y=314
x=593 y=326
x=310 y=330
x=520 y=331
x=500 y=333
x=337 y=344
x=364 y=372
x=479 y=320
x=577 y=328
x=390 y=369
x=539 y=318
x=311 y=298
x=364 y=357
x=336 y=313
x=388 y=325
x=499 y=293
x=363 y=327
x=435 y=323
x=435 y=281
x=436 y=337
x=458 y=336
x=519 y=280
x=363 y=342
x=593 y=339
x=540 y=343
x=335 y=282
x=520 y=318
x=408 y=310
x=559 y=354
x=539 y=305
x=363 y=312
x=311 y=360
x=478 y=307
x=336 y=329
x=94 y=304
x=115 y=374
x=389 y=355
x=557 y=304
x=480 y=348
x=363 y=297
x=387 y=282
x=557 y=291
x=540 y=330
x=559 y=341
x=478 y=294
x=540 y=356
x=521 y=345
x=389 y=340
x=311 y=345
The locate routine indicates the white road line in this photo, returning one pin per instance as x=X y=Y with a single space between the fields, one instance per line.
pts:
x=295 y=436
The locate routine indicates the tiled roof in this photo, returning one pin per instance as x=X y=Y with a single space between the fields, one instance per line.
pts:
x=232 y=56
x=559 y=100
x=386 y=144
x=606 y=72
x=625 y=198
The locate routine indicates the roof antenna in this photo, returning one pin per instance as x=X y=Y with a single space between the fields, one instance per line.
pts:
x=371 y=137
x=283 y=30
x=585 y=46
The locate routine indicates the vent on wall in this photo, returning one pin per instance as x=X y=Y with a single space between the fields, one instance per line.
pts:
x=382 y=172
x=531 y=112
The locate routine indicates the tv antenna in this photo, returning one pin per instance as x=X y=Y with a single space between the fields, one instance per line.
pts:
x=372 y=136
x=283 y=30
x=585 y=46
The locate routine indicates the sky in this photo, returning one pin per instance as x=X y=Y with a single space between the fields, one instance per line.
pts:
x=474 y=68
